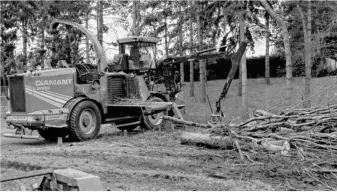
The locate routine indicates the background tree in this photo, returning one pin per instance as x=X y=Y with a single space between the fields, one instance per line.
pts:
x=136 y=18
x=243 y=67
x=306 y=23
x=191 y=14
x=8 y=36
x=267 y=67
x=286 y=41
x=100 y=21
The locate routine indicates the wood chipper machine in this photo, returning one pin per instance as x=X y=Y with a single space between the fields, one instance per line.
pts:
x=76 y=100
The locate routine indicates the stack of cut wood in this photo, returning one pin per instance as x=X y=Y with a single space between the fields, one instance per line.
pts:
x=308 y=136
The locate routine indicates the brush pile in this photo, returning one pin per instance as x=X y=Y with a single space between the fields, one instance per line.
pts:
x=301 y=138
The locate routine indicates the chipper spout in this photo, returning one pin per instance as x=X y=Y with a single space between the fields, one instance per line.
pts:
x=102 y=65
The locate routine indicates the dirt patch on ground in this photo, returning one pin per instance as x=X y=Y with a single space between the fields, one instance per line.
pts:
x=147 y=161
x=151 y=161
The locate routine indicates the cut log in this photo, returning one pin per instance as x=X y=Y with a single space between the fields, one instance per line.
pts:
x=205 y=139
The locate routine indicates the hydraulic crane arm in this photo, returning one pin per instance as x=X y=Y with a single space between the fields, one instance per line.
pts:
x=235 y=65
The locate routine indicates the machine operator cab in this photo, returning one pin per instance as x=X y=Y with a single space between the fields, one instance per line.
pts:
x=136 y=53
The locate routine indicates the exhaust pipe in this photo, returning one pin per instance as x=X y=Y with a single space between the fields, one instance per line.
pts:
x=21 y=136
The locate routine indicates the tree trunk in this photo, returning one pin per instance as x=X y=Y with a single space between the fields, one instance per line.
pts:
x=307 y=52
x=87 y=39
x=242 y=36
x=42 y=47
x=191 y=27
x=308 y=64
x=182 y=76
x=240 y=82
x=216 y=31
x=243 y=61
x=166 y=33
x=100 y=22
x=191 y=78
x=267 y=67
x=205 y=139
x=202 y=76
x=74 y=49
x=24 y=43
x=2 y=59
x=225 y=20
x=286 y=42
x=243 y=69
x=289 y=69
x=199 y=27
x=181 y=32
x=136 y=18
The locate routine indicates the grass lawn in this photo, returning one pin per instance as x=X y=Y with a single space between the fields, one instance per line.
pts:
x=260 y=96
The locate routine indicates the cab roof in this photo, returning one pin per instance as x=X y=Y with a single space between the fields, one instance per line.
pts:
x=138 y=39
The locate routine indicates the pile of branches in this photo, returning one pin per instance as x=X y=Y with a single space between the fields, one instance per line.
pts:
x=305 y=137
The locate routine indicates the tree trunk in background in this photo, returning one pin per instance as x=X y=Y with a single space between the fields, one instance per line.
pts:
x=87 y=39
x=286 y=42
x=181 y=32
x=2 y=62
x=100 y=22
x=307 y=53
x=240 y=82
x=24 y=43
x=135 y=18
x=74 y=48
x=267 y=65
x=202 y=62
x=289 y=68
x=191 y=27
x=308 y=64
x=202 y=77
x=243 y=60
x=225 y=21
x=182 y=75
x=42 y=46
x=191 y=93
x=166 y=33
x=191 y=77
x=216 y=31
x=166 y=43
x=244 y=112
x=199 y=26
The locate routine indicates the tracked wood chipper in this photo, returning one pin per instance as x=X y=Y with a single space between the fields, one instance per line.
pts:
x=76 y=100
